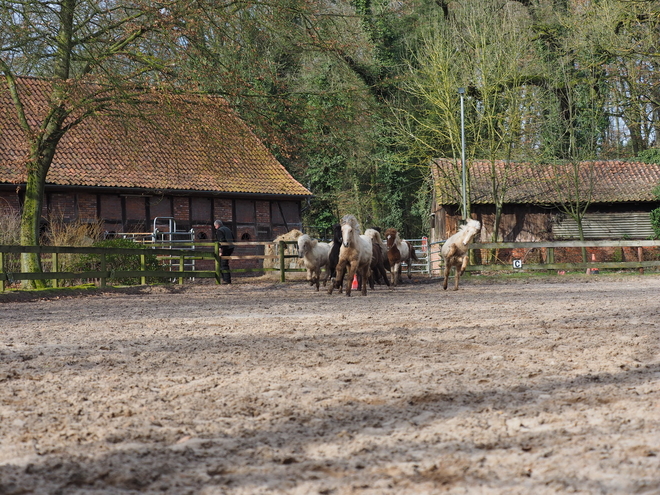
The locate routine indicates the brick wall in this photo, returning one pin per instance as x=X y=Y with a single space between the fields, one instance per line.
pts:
x=181 y=210
x=263 y=212
x=87 y=208
x=62 y=206
x=111 y=207
x=222 y=209
x=9 y=202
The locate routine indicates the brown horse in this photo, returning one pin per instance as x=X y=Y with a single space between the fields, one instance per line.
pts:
x=399 y=251
x=455 y=250
x=379 y=261
x=355 y=254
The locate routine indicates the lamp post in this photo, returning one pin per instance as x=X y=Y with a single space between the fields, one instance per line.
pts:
x=461 y=92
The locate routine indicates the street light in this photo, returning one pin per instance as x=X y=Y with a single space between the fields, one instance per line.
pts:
x=461 y=92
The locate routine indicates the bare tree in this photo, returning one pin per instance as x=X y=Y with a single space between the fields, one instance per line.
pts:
x=486 y=49
x=94 y=54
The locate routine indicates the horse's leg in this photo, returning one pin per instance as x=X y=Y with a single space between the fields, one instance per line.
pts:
x=365 y=275
x=339 y=272
x=326 y=275
x=460 y=272
x=351 y=273
x=447 y=272
x=383 y=274
x=317 y=277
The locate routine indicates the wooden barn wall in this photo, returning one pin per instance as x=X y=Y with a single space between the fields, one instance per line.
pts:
x=528 y=223
x=250 y=219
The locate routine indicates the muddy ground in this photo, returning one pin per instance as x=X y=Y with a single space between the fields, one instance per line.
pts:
x=543 y=387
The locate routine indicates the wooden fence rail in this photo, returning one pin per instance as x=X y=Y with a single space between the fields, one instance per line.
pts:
x=550 y=264
x=210 y=251
x=182 y=254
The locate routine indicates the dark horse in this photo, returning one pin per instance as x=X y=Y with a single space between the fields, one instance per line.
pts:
x=333 y=259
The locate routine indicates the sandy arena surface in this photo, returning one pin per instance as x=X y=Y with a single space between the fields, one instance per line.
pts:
x=543 y=387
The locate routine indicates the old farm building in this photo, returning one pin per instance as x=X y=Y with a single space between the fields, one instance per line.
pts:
x=187 y=158
x=620 y=196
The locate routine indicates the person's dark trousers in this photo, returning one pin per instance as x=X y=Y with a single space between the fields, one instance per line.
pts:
x=224 y=267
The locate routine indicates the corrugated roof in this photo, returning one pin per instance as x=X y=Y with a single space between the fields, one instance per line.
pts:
x=542 y=184
x=168 y=142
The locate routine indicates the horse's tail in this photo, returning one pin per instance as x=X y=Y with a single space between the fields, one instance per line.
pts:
x=413 y=254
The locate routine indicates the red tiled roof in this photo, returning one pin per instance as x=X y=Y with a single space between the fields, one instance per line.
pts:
x=527 y=183
x=178 y=142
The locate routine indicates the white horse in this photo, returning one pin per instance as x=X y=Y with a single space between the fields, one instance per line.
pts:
x=455 y=250
x=315 y=255
x=355 y=253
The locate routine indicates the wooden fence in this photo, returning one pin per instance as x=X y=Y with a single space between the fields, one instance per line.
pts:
x=175 y=263
x=178 y=261
x=518 y=260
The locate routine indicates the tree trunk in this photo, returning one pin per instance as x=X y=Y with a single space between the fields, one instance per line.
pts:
x=42 y=156
x=31 y=223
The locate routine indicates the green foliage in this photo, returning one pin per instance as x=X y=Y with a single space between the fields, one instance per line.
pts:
x=651 y=155
x=127 y=262
x=655 y=222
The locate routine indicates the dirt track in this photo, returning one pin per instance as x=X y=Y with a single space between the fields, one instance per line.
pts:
x=502 y=388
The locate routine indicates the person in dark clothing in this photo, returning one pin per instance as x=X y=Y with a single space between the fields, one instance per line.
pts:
x=226 y=239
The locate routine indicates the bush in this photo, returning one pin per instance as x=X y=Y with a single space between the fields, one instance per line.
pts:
x=655 y=222
x=10 y=223
x=115 y=262
x=651 y=155
x=76 y=234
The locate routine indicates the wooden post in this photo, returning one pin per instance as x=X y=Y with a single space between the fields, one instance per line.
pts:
x=216 y=253
x=640 y=258
x=2 y=270
x=181 y=268
x=55 y=266
x=143 y=268
x=103 y=270
x=282 y=252
x=551 y=255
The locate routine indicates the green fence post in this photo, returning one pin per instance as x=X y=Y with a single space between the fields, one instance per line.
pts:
x=282 y=251
x=216 y=258
x=55 y=267
x=143 y=268
x=103 y=270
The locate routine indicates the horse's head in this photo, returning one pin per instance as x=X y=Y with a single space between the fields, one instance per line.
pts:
x=390 y=237
x=472 y=228
x=350 y=229
x=336 y=233
x=347 y=233
x=304 y=242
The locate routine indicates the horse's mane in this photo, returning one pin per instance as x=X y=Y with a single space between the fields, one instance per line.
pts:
x=306 y=239
x=352 y=221
x=374 y=235
x=470 y=224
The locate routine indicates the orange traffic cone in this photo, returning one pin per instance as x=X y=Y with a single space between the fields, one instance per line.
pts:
x=592 y=271
x=354 y=285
